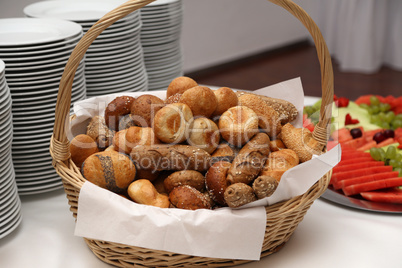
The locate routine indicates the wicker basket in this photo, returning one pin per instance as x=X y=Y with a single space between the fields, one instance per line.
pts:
x=282 y=218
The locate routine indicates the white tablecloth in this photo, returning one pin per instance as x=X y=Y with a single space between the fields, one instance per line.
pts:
x=329 y=236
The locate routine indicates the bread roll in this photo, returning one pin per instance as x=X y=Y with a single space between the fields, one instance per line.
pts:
x=125 y=140
x=239 y=194
x=126 y=122
x=100 y=132
x=143 y=192
x=286 y=110
x=81 y=147
x=187 y=197
x=201 y=100
x=268 y=118
x=185 y=177
x=110 y=170
x=238 y=125
x=172 y=123
x=204 y=134
x=264 y=186
x=301 y=141
x=276 y=145
x=173 y=99
x=144 y=109
x=216 y=181
x=147 y=174
x=170 y=157
x=179 y=85
x=278 y=162
x=224 y=152
x=250 y=160
x=226 y=99
x=117 y=109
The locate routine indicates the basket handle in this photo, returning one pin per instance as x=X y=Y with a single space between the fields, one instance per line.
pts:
x=59 y=142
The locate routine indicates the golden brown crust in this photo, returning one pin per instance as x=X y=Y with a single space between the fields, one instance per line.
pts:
x=187 y=197
x=81 y=147
x=268 y=118
x=173 y=99
x=185 y=177
x=286 y=110
x=301 y=141
x=172 y=123
x=171 y=157
x=117 y=109
x=144 y=109
x=110 y=170
x=216 y=181
x=276 y=145
x=238 y=125
x=226 y=98
x=201 y=100
x=264 y=186
x=99 y=131
x=278 y=162
x=143 y=192
x=125 y=140
x=239 y=194
x=204 y=134
x=250 y=160
x=225 y=152
x=179 y=85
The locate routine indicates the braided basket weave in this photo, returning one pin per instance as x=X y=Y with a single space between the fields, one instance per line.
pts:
x=282 y=218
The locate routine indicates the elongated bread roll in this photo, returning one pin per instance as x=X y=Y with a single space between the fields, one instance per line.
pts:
x=250 y=160
x=278 y=162
x=170 y=157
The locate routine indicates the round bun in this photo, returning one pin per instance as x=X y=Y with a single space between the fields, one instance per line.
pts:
x=100 y=132
x=125 y=140
x=238 y=125
x=81 y=147
x=226 y=98
x=144 y=109
x=110 y=170
x=192 y=178
x=179 y=85
x=239 y=194
x=173 y=99
x=204 y=134
x=187 y=197
x=116 y=109
x=201 y=100
x=216 y=181
x=171 y=123
x=269 y=120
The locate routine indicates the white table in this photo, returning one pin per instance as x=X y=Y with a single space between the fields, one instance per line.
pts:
x=330 y=236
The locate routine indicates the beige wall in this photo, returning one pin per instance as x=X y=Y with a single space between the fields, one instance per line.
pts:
x=218 y=31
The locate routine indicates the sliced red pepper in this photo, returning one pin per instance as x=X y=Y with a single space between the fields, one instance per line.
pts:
x=350 y=121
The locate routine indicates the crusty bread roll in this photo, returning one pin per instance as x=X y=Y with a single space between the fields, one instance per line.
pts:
x=250 y=160
x=100 y=132
x=179 y=85
x=268 y=118
x=276 y=145
x=171 y=123
x=239 y=194
x=225 y=152
x=201 y=100
x=216 y=181
x=187 y=197
x=301 y=141
x=147 y=174
x=204 y=134
x=125 y=140
x=143 y=192
x=144 y=109
x=238 y=125
x=82 y=146
x=185 y=177
x=170 y=157
x=173 y=99
x=264 y=186
x=110 y=170
x=278 y=162
x=117 y=109
x=226 y=99
x=286 y=110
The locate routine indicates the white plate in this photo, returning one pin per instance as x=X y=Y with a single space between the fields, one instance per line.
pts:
x=32 y=158
x=124 y=72
x=41 y=52
x=27 y=31
x=11 y=226
x=41 y=190
x=137 y=60
x=79 y=10
x=10 y=212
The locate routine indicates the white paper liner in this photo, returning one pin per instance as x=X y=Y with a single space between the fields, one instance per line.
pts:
x=221 y=233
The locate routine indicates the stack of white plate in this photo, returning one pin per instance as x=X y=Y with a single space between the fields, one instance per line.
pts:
x=35 y=52
x=160 y=39
x=10 y=204
x=114 y=61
